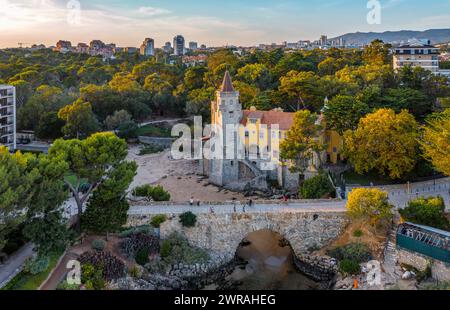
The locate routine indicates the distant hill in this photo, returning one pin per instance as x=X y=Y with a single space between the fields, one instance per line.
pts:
x=362 y=38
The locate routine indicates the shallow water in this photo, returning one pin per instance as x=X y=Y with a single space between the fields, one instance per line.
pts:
x=270 y=266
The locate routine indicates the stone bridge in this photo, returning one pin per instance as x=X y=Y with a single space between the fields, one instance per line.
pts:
x=220 y=229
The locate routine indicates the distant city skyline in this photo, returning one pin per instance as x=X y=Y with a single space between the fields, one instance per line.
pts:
x=213 y=23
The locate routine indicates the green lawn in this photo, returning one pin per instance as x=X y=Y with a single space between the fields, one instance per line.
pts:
x=352 y=177
x=28 y=282
x=153 y=131
x=72 y=179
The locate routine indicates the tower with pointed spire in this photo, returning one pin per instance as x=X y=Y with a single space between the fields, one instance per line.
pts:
x=225 y=111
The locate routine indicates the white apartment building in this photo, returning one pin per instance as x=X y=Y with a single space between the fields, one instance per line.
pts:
x=417 y=54
x=8 y=116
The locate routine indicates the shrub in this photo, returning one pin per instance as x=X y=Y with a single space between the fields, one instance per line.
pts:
x=64 y=286
x=358 y=252
x=98 y=244
x=188 y=219
x=138 y=241
x=127 y=130
x=92 y=277
x=157 y=266
x=134 y=272
x=176 y=249
x=427 y=211
x=439 y=286
x=317 y=187
x=157 y=220
x=160 y=194
x=150 y=149
x=142 y=256
x=166 y=248
x=358 y=233
x=37 y=265
x=144 y=229
x=111 y=266
x=157 y=193
x=143 y=191
x=372 y=204
x=349 y=267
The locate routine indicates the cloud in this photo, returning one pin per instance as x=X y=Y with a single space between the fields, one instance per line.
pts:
x=151 y=11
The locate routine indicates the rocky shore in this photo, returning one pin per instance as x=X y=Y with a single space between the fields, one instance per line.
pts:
x=180 y=277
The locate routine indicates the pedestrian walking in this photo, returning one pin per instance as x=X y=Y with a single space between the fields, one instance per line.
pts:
x=191 y=202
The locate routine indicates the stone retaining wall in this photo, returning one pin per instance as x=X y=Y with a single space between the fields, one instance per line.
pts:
x=221 y=234
x=318 y=268
x=440 y=271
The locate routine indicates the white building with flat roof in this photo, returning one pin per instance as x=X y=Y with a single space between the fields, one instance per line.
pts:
x=8 y=116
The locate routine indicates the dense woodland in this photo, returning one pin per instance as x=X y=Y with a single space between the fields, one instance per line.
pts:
x=73 y=95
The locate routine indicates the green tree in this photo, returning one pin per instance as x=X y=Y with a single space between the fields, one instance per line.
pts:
x=415 y=101
x=79 y=118
x=107 y=210
x=199 y=101
x=15 y=191
x=427 y=211
x=89 y=159
x=118 y=118
x=161 y=92
x=377 y=52
x=255 y=74
x=302 y=142
x=343 y=113
x=304 y=89
x=45 y=225
x=317 y=187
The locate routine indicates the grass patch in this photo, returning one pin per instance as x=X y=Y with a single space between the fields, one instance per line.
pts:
x=150 y=149
x=154 y=131
x=72 y=179
x=28 y=282
x=351 y=177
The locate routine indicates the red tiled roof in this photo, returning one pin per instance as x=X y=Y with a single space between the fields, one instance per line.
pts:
x=227 y=85
x=269 y=118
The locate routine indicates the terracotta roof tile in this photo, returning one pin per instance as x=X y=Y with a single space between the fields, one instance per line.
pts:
x=269 y=118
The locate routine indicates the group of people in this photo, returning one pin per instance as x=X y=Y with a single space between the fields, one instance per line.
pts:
x=249 y=203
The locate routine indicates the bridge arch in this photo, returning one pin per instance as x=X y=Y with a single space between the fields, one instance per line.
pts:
x=221 y=234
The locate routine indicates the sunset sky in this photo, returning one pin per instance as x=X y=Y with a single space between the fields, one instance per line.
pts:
x=212 y=22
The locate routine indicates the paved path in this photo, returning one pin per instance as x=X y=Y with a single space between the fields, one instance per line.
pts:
x=14 y=264
x=58 y=273
x=161 y=121
x=401 y=194
x=292 y=207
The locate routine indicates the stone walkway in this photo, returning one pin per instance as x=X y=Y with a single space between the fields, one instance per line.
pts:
x=14 y=264
x=401 y=194
x=292 y=207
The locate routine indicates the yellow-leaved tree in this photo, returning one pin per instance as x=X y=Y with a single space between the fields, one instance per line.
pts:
x=384 y=141
x=370 y=204
x=436 y=142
